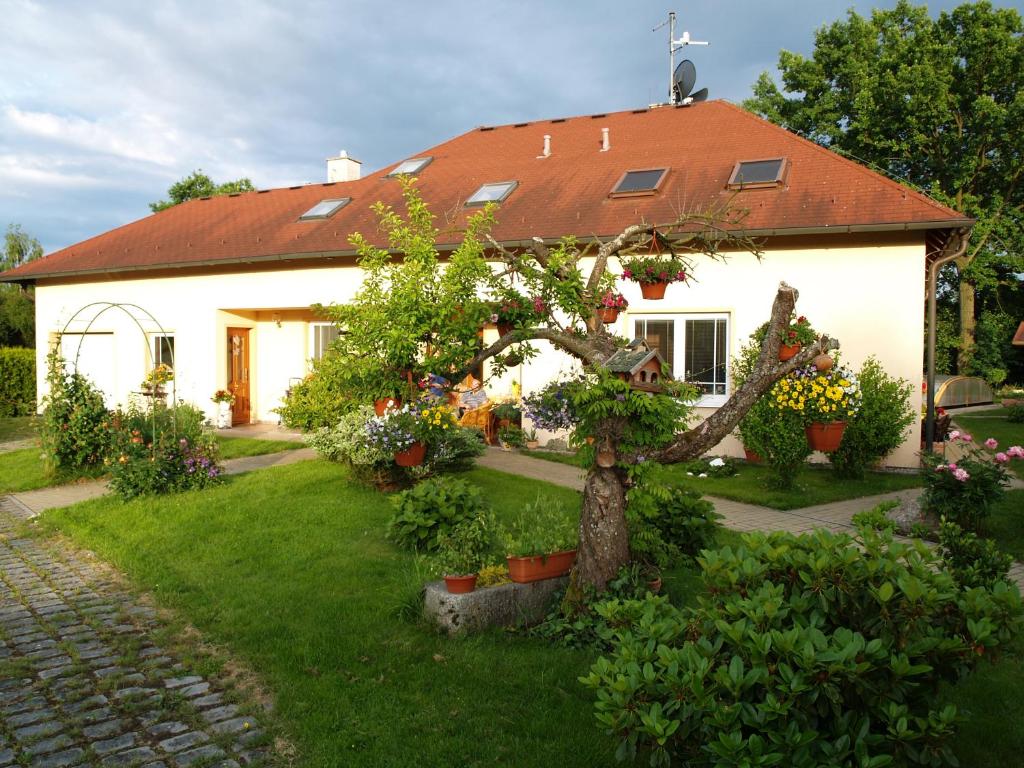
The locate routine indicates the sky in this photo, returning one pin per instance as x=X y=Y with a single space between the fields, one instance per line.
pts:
x=106 y=103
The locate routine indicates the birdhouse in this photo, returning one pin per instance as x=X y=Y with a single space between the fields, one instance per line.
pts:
x=639 y=365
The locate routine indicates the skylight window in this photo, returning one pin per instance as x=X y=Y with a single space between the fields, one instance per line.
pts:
x=325 y=209
x=492 y=193
x=640 y=182
x=411 y=167
x=757 y=173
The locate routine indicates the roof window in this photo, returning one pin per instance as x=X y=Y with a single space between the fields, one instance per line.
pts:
x=325 y=209
x=757 y=173
x=494 y=192
x=644 y=181
x=411 y=167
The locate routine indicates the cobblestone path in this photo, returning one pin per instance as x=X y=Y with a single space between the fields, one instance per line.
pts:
x=82 y=682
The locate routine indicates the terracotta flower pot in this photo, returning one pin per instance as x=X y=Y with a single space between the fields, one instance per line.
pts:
x=752 y=457
x=608 y=314
x=523 y=570
x=412 y=456
x=823 y=362
x=787 y=351
x=655 y=585
x=382 y=404
x=460 y=585
x=825 y=437
x=653 y=290
x=532 y=445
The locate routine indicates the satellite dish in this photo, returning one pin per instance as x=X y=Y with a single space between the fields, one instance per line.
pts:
x=684 y=78
x=700 y=95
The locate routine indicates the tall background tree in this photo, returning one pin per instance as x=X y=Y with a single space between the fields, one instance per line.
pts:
x=196 y=185
x=937 y=103
x=17 y=305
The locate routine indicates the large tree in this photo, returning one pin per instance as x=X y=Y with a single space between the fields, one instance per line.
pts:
x=17 y=306
x=196 y=185
x=938 y=103
x=422 y=314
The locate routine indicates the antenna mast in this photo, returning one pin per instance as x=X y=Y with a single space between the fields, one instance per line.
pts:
x=673 y=46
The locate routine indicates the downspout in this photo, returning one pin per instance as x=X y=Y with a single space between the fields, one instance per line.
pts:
x=933 y=278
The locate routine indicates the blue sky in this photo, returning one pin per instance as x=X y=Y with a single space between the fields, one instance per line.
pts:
x=106 y=103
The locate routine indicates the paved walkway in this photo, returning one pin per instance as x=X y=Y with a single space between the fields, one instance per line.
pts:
x=82 y=682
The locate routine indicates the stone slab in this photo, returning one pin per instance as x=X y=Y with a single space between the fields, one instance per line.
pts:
x=507 y=605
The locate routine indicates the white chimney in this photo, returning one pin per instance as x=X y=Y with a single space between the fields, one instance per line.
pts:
x=547 y=145
x=605 y=142
x=343 y=167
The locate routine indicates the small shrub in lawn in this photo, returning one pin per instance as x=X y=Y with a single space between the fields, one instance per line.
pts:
x=157 y=449
x=1015 y=414
x=427 y=512
x=667 y=523
x=713 y=466
x=17 y=381
x=971 y=561
x=878 y=427
x=806 y=652
x=876 y=518
x=75 y=428
x=964 y=491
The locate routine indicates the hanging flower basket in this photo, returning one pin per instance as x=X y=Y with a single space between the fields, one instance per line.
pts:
x=653 y=291
x=825 y=436
x=412 y=456
x=609 y=315
x=787 y=351
x=504 y=328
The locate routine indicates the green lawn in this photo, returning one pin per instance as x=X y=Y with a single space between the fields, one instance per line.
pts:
x=752 y=484
x=237 y=447
x=985 y=424
x=1006 y=524
x=288 y=569
x=17 y=428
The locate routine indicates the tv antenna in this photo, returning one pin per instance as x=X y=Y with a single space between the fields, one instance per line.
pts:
x=681 y=79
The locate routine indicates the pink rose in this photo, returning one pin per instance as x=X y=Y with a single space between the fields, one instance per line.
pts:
x=1002 y=458
x=954 y=434
x=1015 y=452
x=952 y=465
x=966 y=438
x=991 y=443
x=961 y=475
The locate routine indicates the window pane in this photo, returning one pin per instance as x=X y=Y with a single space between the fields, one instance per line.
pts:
x=659 y=335
x=758 y=172
x=639 y=181
x=163 y=351
x=323 y=335
x=706 y=355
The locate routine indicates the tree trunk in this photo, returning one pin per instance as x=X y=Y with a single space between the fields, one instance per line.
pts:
x=604 y=536
x=967 y=324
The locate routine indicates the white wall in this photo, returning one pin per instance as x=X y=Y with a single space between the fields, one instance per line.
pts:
x=870 y=298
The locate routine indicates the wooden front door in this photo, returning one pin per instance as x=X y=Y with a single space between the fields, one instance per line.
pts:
x=238 y=374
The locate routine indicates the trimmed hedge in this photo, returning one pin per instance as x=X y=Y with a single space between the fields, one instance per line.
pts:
x=17 y=381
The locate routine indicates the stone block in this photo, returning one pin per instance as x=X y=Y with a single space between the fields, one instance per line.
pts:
x=509 y=604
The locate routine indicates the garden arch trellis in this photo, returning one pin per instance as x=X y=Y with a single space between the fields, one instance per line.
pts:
x=130 y=310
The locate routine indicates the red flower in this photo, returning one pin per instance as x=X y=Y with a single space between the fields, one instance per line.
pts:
x=792 y=334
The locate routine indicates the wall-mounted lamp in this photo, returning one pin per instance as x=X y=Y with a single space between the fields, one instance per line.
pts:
x=276 y=317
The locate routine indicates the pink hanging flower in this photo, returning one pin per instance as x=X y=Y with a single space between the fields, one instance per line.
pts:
x=627 y=273
x=961 y=475
x=1002 y=458
x=991 y=444
x=538 y=305
x=680 y=275
x=663 y=275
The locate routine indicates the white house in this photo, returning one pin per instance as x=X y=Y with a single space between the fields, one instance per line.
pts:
x=228 y=281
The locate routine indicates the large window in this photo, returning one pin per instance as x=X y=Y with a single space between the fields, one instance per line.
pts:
x=696 y=347
x=320 y=337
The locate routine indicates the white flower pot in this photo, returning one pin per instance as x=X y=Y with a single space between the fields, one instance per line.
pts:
x=223 y=415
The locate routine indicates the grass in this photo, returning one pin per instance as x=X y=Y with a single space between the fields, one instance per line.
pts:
x=994 y=424
x=1005 y=525
x=17 y=428
x=752 y=484
x=328 y=620
x=237 y=447
x=289 y=569
x=24 y=470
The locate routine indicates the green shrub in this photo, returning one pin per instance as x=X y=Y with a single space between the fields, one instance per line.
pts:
x=428 y=512
x=964 y=491
x=465 y=547
x=879 y=426
x=542 y=527
x=667 y=523
x=807 y=652
x=156 y=449
x=320 y=399
x=17 y=381
x=876 y=517
x=1015 y=414
x=972 y=562
x=75 y=428
x=711 y=466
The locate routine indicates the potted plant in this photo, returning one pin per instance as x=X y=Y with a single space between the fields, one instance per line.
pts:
x=462 y=550
x=654 y=273
x=507 y=414
x=513 y=310
x=610 y=305
x=824 y=400
x=541 y=543
x=153 y=384
x=224 y=400
x=795 y=335
x=397 y=431
x=511 y=437
x=531 y=439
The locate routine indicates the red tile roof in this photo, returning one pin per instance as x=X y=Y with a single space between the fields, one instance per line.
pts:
x=565 y=193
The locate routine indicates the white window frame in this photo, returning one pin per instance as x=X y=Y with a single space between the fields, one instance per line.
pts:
x=679 y=346
x=153 y=355
x=313 y=330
